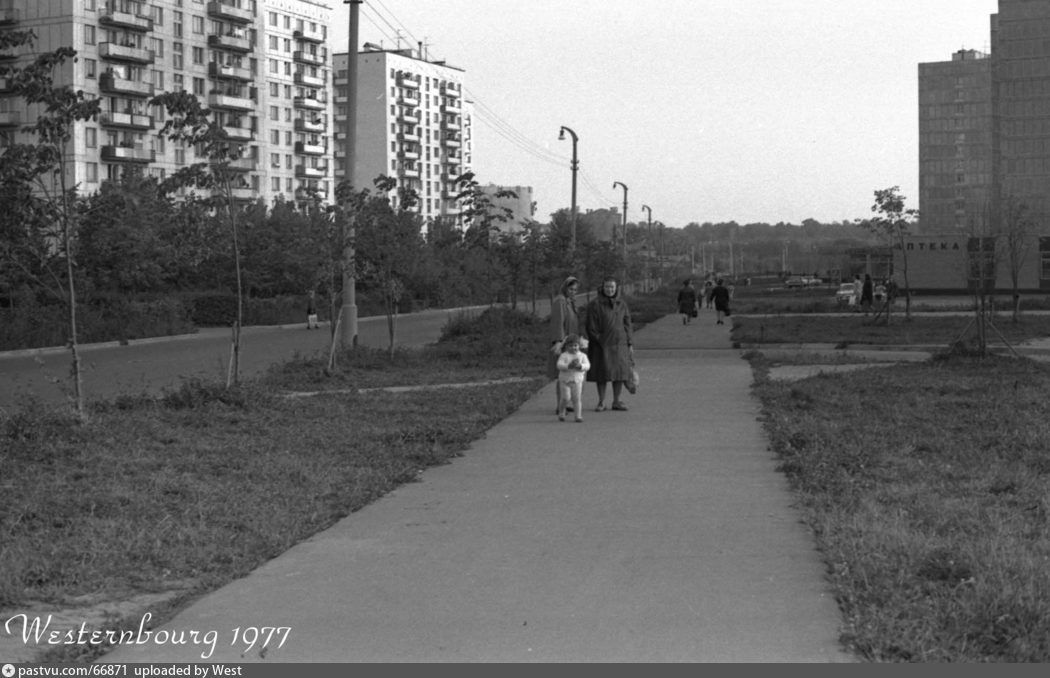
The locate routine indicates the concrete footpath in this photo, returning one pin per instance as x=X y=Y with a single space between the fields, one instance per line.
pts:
x=660 y=534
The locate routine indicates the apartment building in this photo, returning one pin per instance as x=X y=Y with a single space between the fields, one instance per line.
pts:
x=413 y=124
x=984 y=145
x=262 y=67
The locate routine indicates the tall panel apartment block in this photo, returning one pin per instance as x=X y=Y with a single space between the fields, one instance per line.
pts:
x=413 y=124
x=955 y=142
x=261 y=66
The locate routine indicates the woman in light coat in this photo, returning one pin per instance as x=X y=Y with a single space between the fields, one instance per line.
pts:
x=611 y=348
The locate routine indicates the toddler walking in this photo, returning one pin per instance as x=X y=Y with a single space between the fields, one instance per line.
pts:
x=572 y=367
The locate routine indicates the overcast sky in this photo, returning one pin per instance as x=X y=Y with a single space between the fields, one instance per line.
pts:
x=708 y=110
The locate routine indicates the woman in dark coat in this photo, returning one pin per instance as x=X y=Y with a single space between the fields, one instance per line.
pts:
x=611 y=350
x=687 y=301
x=563 y=322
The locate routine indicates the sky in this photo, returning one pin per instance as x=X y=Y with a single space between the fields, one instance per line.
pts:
x=707 y=110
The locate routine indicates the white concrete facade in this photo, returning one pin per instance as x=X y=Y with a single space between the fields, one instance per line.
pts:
x=262 y=67
x=413 y=124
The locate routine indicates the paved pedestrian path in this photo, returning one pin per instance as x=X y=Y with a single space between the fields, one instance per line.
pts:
x=660 y=534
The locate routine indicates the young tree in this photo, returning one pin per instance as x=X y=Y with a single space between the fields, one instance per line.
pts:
x=36 y=177
x=1017 y=230
x=387 y=245
x=892 y=220
x=191 y=124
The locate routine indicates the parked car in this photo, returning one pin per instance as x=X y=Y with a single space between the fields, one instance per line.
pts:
x=844 y=295
x=795 y=281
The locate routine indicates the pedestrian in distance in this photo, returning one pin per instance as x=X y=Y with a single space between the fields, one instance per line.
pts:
x=687 y=302
x=867 y=294
x=858 y=291
x=708 y=289
x=564 y=320
x=311 y=312
x=720 y=295
x=611 y=343
x=572 y=368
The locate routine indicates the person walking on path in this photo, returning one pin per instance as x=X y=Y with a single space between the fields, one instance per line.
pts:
x=867 y=294
x=564 y=320
x=311 y=312
x=687 y=302
x=720 y=295
x=611 y=342
x=858 y=290
x=708 y=289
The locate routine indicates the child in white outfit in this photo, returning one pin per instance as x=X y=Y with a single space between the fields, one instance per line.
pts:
x=572 y=367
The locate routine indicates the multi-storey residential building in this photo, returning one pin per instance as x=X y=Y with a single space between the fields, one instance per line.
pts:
x=413 y=124
x=955 y=141
x=261 y=66
x=984 y=149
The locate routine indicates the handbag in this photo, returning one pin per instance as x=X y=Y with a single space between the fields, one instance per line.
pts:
x=632 y=380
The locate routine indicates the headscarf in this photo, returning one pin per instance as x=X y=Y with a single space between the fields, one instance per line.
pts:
x=565 y=285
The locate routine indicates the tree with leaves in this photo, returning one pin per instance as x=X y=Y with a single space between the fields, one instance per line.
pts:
x=191 y=124
x=36 y=178
x=893 y=220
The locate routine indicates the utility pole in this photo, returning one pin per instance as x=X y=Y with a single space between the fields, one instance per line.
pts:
x=349 y=311
x=574 y=166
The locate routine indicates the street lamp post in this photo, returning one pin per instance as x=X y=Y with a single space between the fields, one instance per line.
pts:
x=575 y=165
x=650 y=211
x=624 y=187
x=349 y=310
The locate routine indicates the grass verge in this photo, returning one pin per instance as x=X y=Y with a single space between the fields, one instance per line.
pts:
x=927 y=486
x=920 y=330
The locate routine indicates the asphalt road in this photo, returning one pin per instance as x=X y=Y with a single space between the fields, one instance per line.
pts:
x=150 y=365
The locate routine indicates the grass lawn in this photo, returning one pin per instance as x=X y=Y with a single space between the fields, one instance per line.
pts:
x=940 y=330
x=928 y=488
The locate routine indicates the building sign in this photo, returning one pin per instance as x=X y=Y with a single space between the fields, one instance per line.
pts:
x=932 y=246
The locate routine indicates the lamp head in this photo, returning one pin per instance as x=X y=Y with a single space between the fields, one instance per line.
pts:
x=561 y=134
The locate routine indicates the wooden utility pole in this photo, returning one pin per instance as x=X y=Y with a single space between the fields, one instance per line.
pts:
x=349 y=310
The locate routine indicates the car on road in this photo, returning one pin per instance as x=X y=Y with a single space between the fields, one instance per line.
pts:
x=844 y=295
x=795 y=281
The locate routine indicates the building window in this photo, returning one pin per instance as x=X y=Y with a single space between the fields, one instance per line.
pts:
x=275 y=184
x=287 y=45
x=157 y=14
x=90 y=137
x=288 y=139
x=89 y=68
x=198 y=25
x=176 y=23
x=273 y=42
x=287 y=67
x=287 y=22
x=287 y=91
x=275 y=137
x=274 y=89
x=176 y=55
x=275 y=113
x=275 y=160
x=92 y=172
x=198 y=55
x=89 y=34
x=274 y=66
x=198 y=86
x=158 y=80
x=177 y=83
x=273 y=18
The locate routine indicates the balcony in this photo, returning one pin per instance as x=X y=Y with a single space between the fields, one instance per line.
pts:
x=309 y=36
x=9 y=16
x=408 y=136
x=235 y=133
x=231 y=101
x=309 y=80
x=10 y=119
x=304 y=125
x=408 y=172
x=126 y=120
x=451 y=124
x=450 y=92
x=451 y=109
x=408 y=80
x=229 y=12
x=109 y=83
x=306 y=148
x=310 y=103
x=409 y=99
x=223 y=71
x=243 y=165
x=451 y=142
x=411 y=118
x=453 y=160
x=126 y=20
x=408 y=154
x=304 y=57
x=126 y=154
x=234 y=42
x=303 y=171
x=115 y=52
x=310 y=193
